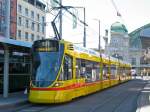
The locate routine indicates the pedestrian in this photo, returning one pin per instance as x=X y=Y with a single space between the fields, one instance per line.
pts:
x=141 y=75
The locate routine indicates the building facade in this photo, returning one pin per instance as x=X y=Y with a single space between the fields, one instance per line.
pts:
x=13 y=18
x=2 y=16
x=27 y=19
x=119 y=42
x=31 y=18
x=133 y=47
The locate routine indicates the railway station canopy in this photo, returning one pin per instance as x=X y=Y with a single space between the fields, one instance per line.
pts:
x=140 y=38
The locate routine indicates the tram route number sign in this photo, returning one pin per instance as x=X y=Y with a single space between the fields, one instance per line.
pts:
x=46 y=49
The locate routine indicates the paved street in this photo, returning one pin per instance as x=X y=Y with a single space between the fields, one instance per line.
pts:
x=122 y=98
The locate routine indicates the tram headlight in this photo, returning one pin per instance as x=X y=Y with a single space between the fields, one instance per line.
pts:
x=58 y=84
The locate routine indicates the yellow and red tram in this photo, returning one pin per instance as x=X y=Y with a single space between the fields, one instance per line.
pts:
x=62 y=71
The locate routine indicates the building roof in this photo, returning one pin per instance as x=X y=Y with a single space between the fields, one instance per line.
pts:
x=119 y=28
x=138 y=34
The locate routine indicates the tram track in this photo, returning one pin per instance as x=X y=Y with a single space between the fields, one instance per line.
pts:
x=105 y=102
x=118 y=100
x=39 y=108
x=88 y=101
x=32 y=108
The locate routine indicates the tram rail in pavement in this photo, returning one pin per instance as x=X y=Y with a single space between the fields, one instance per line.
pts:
x=14 y=99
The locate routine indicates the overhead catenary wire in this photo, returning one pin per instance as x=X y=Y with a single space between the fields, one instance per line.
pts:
x=117 y=11
x=90 y=29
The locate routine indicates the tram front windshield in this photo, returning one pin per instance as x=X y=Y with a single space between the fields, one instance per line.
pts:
x=47 y=56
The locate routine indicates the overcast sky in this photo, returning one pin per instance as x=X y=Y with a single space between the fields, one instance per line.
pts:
x=135 y=13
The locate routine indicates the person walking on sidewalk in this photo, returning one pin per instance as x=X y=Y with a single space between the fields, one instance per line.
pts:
x=142 y=75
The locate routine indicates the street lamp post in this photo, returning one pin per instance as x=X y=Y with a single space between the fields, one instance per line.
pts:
x=99 y=36
x=84 y=37
x=99 y=48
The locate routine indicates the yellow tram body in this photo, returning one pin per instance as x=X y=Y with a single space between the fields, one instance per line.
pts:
x=66 y=90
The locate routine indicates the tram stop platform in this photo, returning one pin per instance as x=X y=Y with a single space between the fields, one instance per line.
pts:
x=143 y=102
x=14 y=99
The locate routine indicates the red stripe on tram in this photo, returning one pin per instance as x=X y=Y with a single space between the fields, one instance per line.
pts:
x=73 y=86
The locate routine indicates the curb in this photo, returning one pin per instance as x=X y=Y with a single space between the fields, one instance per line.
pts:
x=139 y=102
x=142 y=101
x=9 y=105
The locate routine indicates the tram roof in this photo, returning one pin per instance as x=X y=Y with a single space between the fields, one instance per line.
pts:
x=16 y=42
x=94 y=53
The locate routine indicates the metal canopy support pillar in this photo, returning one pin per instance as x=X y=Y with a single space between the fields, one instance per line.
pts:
x=6 y=52
x=99 y=37
x=6 y=72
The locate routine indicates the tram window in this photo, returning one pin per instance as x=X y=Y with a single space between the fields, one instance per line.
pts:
x=113 y=71
x=120 y=70
x=124 y=72
x=83 y=68
x=67 y=67
x=78 y=68
x=128 y=71
x=96 y=67
x=105 y=72
x=88 y=70
x=92 y=71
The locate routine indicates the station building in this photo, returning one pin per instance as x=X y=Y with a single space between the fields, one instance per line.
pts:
x=27 y=19
x=140 y=49
x=119 y=42
x=133 y=47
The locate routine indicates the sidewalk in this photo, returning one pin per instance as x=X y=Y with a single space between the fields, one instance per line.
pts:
x=14 y=99
x=143 y=103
